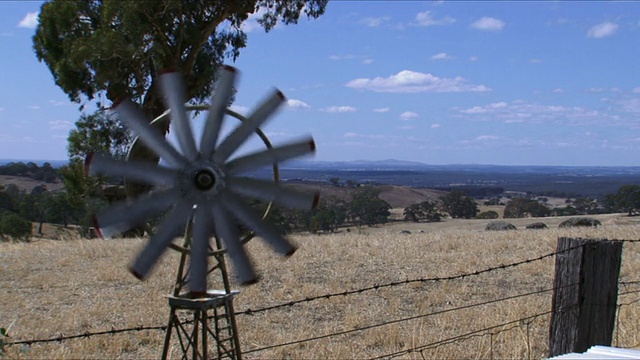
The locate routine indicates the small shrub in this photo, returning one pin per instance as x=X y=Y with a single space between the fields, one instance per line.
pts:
x=537 y=225
x=499 y=225
x=580 y=221
x=488 y=215
x=15 y=227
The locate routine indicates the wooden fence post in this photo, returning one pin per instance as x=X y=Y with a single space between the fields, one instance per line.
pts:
x=585 y=296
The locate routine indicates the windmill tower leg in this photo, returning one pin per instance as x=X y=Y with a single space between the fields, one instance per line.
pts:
x=196 y=323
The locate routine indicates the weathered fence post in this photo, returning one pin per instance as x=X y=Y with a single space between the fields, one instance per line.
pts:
x=586 y=291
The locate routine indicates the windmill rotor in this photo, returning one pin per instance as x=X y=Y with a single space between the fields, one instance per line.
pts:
x=202 y=183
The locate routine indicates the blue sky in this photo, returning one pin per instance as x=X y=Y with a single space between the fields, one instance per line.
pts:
x=513 y=83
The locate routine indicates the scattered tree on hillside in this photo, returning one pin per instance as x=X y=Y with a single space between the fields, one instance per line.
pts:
x=425 y=210
x=627 y=199
x=586 y=206
x=459 y=206
x=521 y=207
x=564 y=211
x=366 y=207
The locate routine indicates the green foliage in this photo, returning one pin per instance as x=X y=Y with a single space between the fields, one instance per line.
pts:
x=627 y=199
x=499 y=226
x=494 y=201
x=564 y=211
x=118 y=47
x=580 y=221
x=488 y=215
x=329 y=216
x=521 y=207
x=95 y=133
x=425 y=210
x=459 y=206
x=4 y=335
x=15 y=227
x=586 y=206
x=84 y=195
x=366 y=207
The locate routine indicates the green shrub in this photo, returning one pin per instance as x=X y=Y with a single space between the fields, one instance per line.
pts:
x=488 y=215
x=499 y=226
x=580 y=221
x=15 y=227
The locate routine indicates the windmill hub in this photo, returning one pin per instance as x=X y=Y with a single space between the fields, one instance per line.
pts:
x=205 y=179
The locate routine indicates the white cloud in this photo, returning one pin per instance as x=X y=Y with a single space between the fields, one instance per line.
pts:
x=6 y=33
x=426 y=19
x=631 y=105
x=60 y=125
x=520 y=112
x=407 y=127
x=488 y=23
x=1 y=109
x=596 y=90
x=558 y=90
x=367 y=61
x=602 y=30
x=535 y=61
x=342 y=57
x=242 y=110
x=339 y=109
x=382 y=110
x=365 y=136
x=484 y=109
x=408 y=115
x=487 y=138
x=435 y=126
x=297 y=104
x=30 y=21
x=441 y=56
x=473 y=58
x=408 y=81
x=636 y=90
x=58 y=103
x=33 y=107
x=374 y=21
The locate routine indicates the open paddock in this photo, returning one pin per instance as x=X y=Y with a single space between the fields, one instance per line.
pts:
x=52 y=288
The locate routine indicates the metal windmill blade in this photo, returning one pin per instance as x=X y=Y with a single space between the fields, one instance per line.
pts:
x=202 y=185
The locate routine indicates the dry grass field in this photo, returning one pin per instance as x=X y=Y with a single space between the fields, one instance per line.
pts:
x=53 y=287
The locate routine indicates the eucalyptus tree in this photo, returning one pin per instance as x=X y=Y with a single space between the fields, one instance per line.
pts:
x=115 y=49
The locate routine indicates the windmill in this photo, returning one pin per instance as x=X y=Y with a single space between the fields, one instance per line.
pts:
x=203 y=187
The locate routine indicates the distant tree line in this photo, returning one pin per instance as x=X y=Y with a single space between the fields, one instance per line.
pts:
x=46 y=172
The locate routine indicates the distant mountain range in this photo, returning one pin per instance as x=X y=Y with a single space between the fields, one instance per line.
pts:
x=54 y=163
x=403 y=165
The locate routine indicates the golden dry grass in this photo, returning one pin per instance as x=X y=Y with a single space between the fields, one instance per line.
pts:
x=50 y=288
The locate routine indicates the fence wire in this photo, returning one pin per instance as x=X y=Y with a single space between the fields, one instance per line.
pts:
x=385 y=323
x=463 y=337
x=113 y=331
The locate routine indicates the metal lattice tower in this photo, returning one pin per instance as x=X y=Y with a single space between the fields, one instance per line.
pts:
x=206 y=320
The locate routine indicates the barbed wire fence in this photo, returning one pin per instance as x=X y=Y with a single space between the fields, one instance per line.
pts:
x=490 y=331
